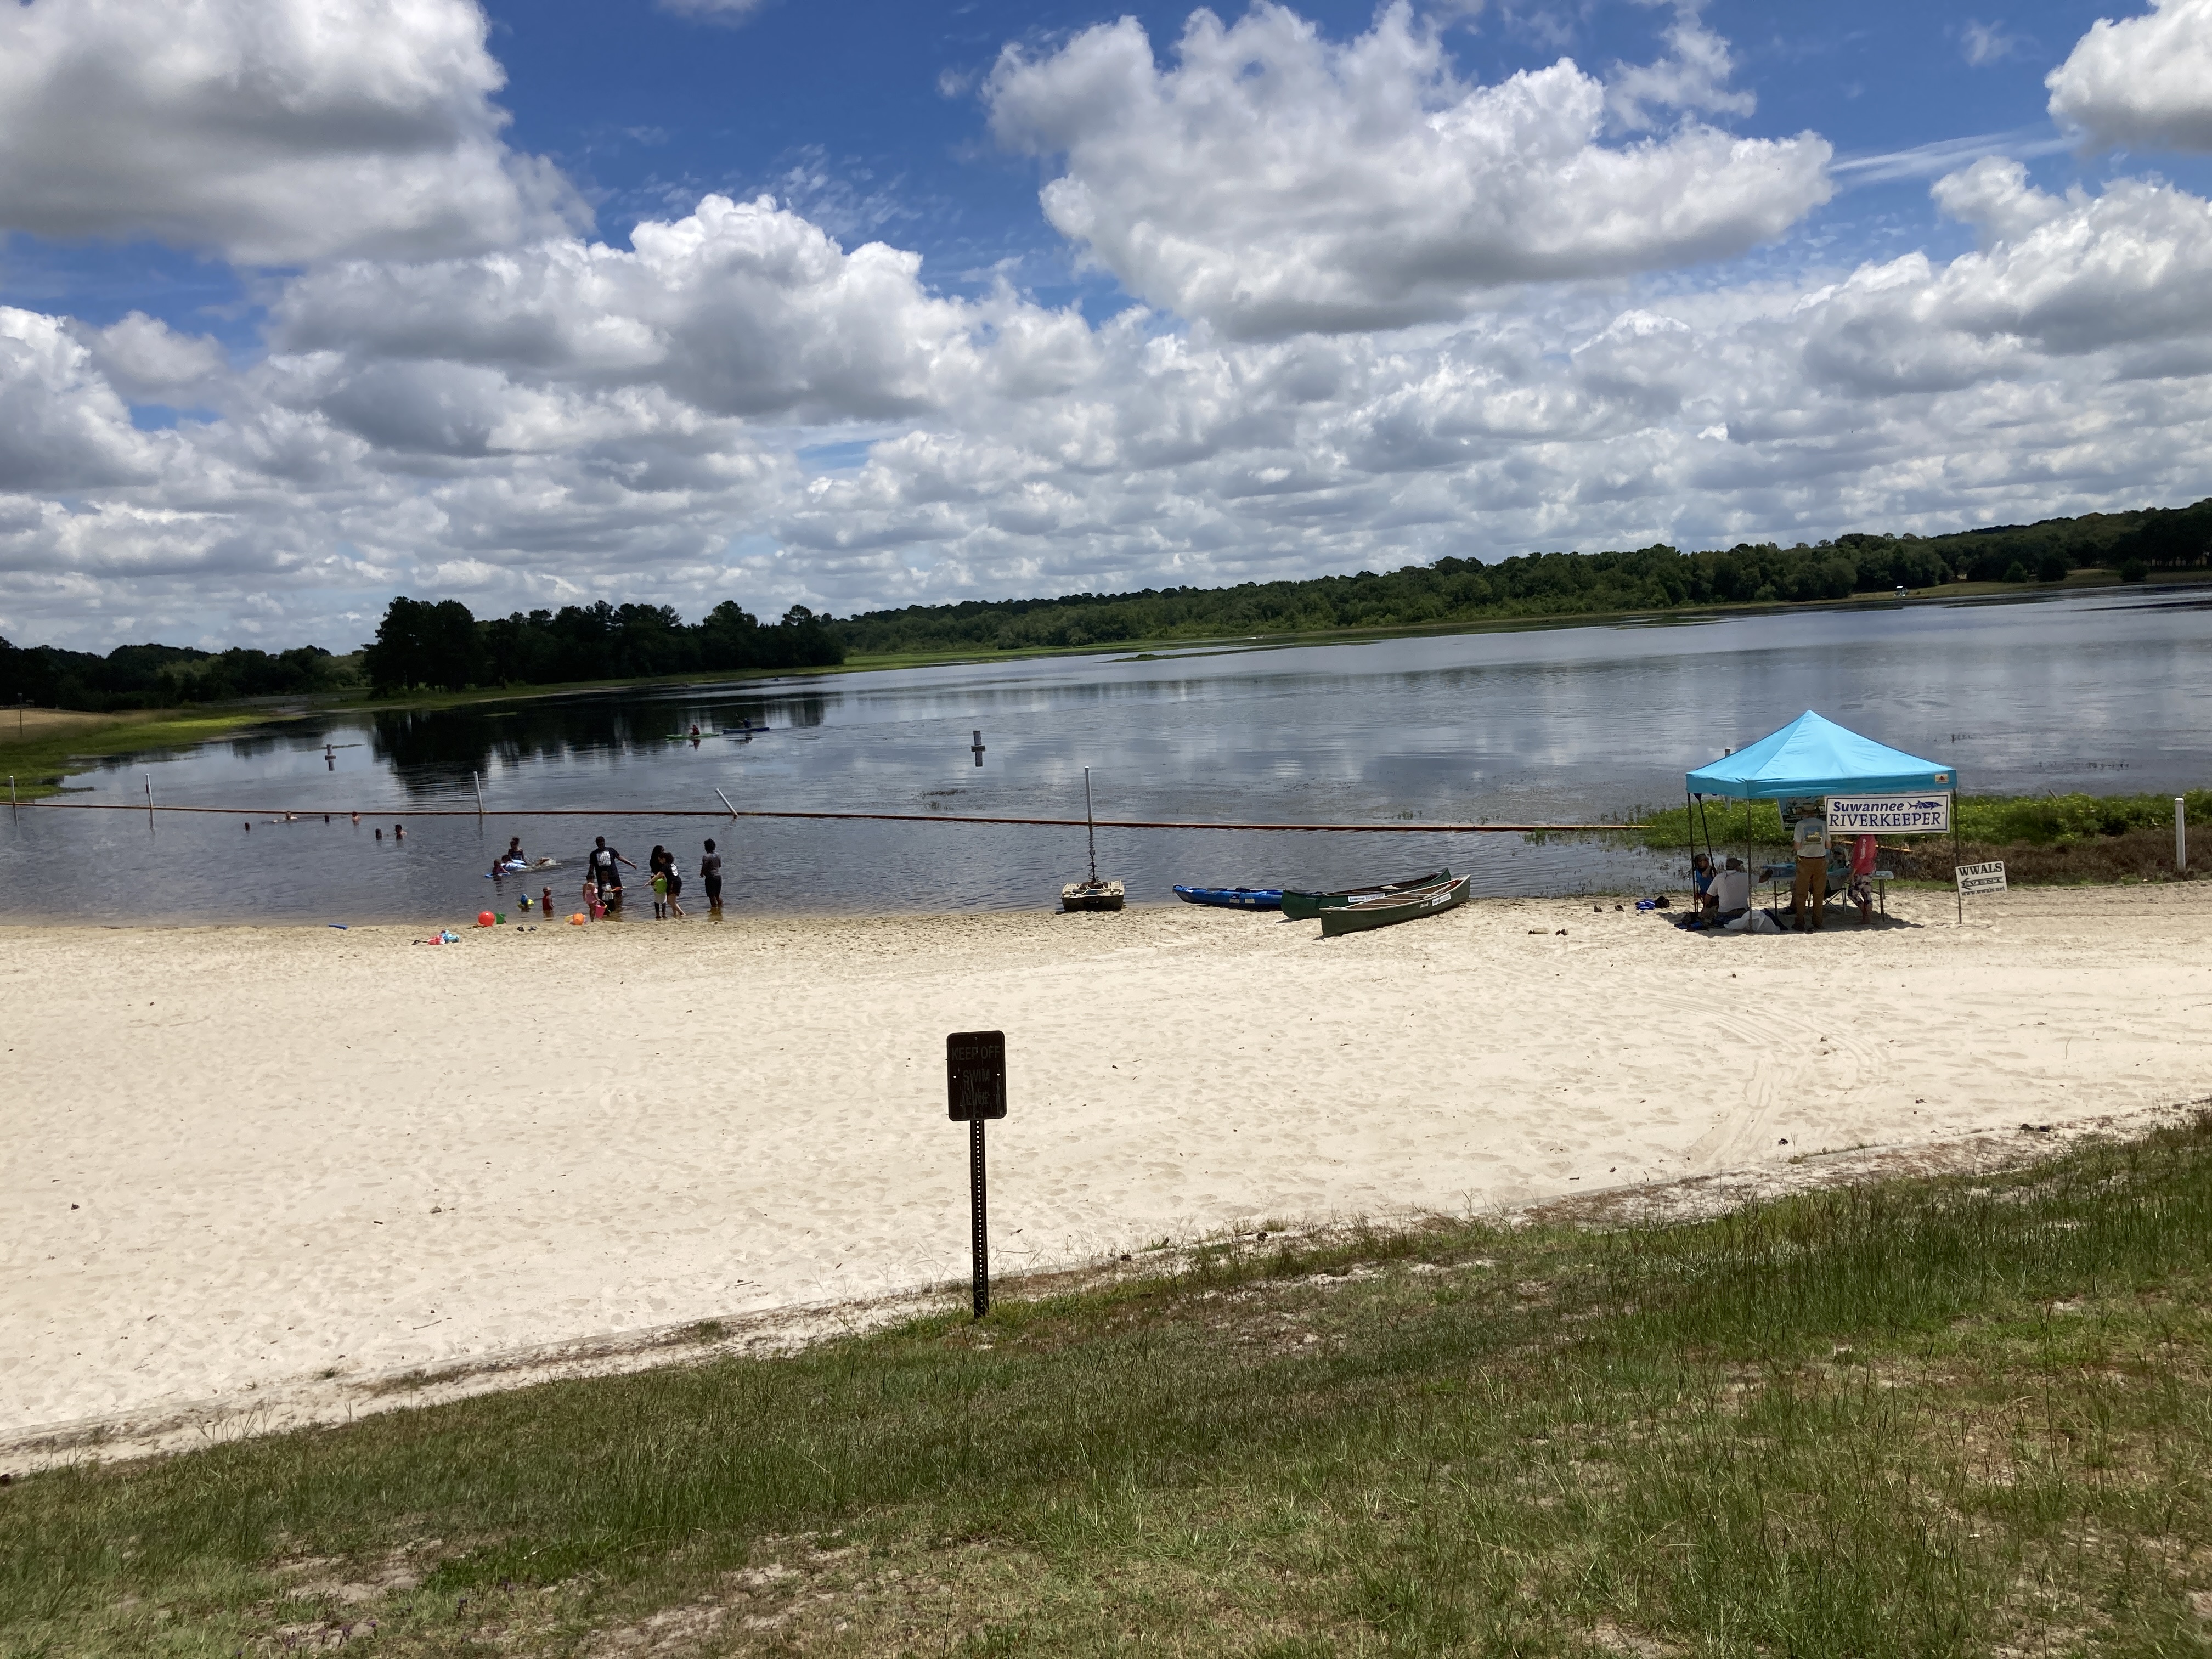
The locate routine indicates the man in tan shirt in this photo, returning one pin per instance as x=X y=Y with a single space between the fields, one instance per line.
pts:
x=1811 y=839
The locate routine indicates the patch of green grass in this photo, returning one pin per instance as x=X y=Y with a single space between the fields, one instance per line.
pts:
x=2054 y=837
x=41 y=762
x=1922 y=1417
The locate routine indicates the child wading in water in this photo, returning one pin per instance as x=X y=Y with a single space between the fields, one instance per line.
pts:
x=710 y=874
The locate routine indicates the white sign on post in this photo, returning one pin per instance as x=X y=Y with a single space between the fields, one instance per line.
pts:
x=1890 y=815
x=1980 y=879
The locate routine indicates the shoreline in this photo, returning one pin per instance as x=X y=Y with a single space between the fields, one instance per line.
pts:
x=307 y=1162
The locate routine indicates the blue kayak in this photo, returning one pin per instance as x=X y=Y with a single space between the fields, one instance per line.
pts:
x=1233 y=898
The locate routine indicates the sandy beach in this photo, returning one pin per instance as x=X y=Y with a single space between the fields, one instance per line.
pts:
x=249 y=1174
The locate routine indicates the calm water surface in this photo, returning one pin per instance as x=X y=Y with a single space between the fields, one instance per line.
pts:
x=2100 y=692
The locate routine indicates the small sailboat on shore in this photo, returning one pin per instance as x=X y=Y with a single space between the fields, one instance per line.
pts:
x=1094 y=894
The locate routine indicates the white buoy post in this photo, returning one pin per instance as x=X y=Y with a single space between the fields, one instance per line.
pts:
x=2180 y=834
x=149 y=800
x=478 y=776
x=726 y=801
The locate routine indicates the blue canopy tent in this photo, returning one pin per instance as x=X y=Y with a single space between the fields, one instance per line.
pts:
x=1813 y=757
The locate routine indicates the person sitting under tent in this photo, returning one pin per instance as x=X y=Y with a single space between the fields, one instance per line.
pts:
x=1729 y=896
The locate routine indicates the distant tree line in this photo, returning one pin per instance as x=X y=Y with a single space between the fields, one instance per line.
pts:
x=439 y=645
x=163 y=676
x=1656 y=578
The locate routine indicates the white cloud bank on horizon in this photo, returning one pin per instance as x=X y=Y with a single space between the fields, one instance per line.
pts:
x=1273 y=183
x=559 y=419
x=2142 y=82
x=269 y=132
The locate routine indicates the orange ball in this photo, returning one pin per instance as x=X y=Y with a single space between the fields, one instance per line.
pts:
x=484 y=919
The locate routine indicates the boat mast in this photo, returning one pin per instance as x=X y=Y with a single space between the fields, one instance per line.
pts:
x=1090 y=828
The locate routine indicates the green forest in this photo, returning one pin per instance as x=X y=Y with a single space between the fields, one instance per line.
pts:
x=440 y=644
x=442 y=647
x=1454 y=591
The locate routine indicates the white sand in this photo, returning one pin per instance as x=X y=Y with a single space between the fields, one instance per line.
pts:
x=301 y=1152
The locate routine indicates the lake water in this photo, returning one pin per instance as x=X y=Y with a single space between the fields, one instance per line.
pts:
x=2103 y=692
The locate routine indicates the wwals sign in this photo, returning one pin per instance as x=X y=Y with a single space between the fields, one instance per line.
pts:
x=1889 y=815
x=976 y=1075
x=1980 y=879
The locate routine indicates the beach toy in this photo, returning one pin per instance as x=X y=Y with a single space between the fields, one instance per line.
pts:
x=340 y=926
x=577 y=920
x=500 y=917
x=484 y=919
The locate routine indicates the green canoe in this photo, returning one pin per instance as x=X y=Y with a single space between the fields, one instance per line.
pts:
x=1304 y=907
x=1390 y=907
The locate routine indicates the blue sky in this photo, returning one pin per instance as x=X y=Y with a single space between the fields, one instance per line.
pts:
x=397 y=337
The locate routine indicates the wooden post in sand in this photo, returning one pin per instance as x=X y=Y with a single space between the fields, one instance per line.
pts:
x=2180 y=836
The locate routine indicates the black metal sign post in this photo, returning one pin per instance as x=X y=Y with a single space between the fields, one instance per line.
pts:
x=976 y=1092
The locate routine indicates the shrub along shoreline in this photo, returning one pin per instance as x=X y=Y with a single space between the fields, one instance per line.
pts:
x=2041 y=838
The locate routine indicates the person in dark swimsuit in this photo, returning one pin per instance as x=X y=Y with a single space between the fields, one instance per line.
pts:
x=710 y=878
x=602 y=864
x=675 y=884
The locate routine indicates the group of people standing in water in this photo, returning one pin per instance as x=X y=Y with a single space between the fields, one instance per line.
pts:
x=603 y=883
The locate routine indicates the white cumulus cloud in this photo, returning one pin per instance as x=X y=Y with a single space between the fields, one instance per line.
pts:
x=736 y=403
x=270 y=132
x=1272 y=182
x=2143 y=83
x=740 y=308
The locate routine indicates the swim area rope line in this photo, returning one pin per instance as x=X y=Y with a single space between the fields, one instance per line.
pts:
x=402 y=812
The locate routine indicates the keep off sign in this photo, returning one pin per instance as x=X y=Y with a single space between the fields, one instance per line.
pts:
x=975 y=1093
x=1980 y=879
x=976 y=1075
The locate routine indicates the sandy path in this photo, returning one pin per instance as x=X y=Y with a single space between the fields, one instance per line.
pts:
x=236 y=1158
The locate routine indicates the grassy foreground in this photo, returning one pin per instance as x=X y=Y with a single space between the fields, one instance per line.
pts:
x=1922 y=1417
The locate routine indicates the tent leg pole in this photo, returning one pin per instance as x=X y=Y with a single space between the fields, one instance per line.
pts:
x=1957 y=857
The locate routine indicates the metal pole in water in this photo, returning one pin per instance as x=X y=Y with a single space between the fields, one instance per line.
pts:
x=149 y=800
x=478 y=776
x=1089 y=827
x=2180 y=834
x=726 y=801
